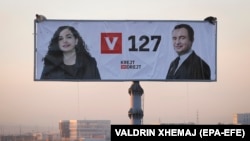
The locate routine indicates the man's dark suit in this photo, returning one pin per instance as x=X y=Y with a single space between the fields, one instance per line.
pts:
x=192 y=68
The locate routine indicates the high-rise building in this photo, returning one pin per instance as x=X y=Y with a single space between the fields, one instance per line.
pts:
x=85 y=130
x=241 y=118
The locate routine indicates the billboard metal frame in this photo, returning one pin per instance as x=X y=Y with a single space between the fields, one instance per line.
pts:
x=214 y=71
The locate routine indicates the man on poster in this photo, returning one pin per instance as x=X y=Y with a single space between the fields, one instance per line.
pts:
x=188 y=65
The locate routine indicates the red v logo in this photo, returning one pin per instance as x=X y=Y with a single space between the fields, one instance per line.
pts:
x=111 y=43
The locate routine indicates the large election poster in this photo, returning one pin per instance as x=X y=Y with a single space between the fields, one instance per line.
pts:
x=125 y=50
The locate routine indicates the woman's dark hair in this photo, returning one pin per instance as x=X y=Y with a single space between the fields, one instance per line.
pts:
x=54 y=50
x=189 y=30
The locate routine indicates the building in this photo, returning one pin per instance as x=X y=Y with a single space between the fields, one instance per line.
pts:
x=30 y=137
x=85 y=130
x=241 y=118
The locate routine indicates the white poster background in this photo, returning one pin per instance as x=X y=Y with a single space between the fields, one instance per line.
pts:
x=153 y=64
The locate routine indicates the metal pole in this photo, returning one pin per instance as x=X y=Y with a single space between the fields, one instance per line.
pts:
x=135 y=112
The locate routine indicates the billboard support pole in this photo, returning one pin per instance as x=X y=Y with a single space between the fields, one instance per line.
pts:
x=135 y=112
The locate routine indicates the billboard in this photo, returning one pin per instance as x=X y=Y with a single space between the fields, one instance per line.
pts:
x=125 y=50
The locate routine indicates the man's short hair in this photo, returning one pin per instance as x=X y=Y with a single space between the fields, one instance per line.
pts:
x=189 y=29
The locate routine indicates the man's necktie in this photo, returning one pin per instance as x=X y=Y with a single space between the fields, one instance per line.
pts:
x=173 y=67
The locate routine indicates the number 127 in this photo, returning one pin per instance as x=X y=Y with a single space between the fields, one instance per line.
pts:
x=144 y=42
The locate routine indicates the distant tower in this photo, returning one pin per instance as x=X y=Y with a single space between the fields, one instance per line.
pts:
x=197 y=117
x=135 y=113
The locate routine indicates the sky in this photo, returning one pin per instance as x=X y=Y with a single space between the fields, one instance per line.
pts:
x=25 y=102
